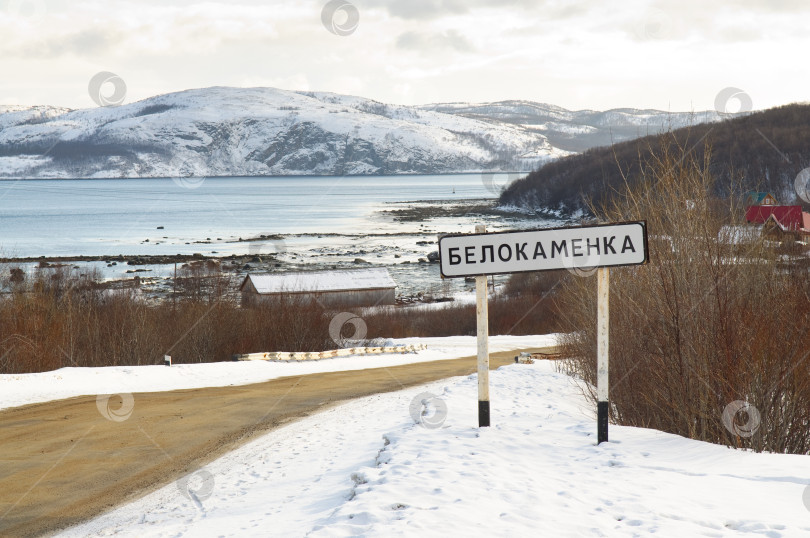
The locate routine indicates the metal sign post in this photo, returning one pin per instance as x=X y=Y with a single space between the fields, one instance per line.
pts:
x=602 y=340
x=482 y=319
x=581 y=247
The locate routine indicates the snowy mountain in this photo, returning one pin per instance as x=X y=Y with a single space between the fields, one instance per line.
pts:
x=579 y=130
x=264 y=131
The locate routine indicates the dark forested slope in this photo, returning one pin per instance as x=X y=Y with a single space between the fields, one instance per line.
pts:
x=764 y=151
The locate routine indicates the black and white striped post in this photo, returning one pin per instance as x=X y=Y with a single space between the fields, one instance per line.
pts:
x=601 y=245
x=482 y=319
x=602 y=354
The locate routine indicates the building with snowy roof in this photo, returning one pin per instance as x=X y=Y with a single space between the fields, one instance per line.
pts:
x=780 y=221
x=346 y=287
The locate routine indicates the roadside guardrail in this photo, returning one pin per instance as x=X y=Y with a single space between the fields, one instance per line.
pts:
x=318 y=355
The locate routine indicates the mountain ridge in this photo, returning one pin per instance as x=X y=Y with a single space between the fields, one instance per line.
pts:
x=222 y=131
x=764 y=150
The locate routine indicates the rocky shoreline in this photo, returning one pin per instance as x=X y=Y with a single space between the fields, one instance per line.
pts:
x=411 y=255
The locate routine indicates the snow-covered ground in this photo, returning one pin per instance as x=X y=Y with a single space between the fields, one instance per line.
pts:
x=22 y=389
x=370 y=467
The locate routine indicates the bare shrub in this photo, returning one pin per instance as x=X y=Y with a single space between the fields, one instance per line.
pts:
x=57 y=317
x=540 y=283
x=203 y=280
x=529 y=314
x=719 y=315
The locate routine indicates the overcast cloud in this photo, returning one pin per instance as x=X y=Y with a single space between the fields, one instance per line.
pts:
x=670 y=55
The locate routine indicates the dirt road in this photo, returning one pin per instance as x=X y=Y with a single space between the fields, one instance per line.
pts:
x=63 y=462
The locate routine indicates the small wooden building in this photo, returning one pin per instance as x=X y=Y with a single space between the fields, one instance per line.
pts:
x=780 y=222
x=336 y=288
x=760 y=198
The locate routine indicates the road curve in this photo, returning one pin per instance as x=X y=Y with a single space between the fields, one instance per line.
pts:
x=63 y=462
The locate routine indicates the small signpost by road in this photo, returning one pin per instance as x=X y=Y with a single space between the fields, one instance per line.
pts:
x=582 y=247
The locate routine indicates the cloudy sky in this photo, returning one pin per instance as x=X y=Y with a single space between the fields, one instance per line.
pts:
x=666 y=54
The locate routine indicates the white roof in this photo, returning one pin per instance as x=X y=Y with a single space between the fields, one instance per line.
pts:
x=319 y=281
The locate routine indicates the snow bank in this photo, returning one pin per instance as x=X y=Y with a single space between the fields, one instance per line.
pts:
x=22 y=389
x=367 y=468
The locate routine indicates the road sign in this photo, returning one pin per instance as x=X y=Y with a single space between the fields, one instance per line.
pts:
x=580 y=247
x=599 y=246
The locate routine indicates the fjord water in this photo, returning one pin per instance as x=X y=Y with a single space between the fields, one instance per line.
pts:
x=116 y=216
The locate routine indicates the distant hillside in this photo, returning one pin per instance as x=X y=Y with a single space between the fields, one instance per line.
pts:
x=577 y=130
x=766 y=149
x=265 y=131
x=257 y=132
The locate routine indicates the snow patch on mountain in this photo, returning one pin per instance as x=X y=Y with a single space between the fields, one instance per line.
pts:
x=259 y=131
x=578 y=130
x=264 y=131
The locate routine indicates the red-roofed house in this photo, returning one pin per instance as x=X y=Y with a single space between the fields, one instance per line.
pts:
x=780 y=219
x=789 y=217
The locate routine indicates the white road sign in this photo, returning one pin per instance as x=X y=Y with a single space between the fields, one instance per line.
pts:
x=604 y=245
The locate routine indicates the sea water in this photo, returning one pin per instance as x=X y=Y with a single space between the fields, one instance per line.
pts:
x=107 y=217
